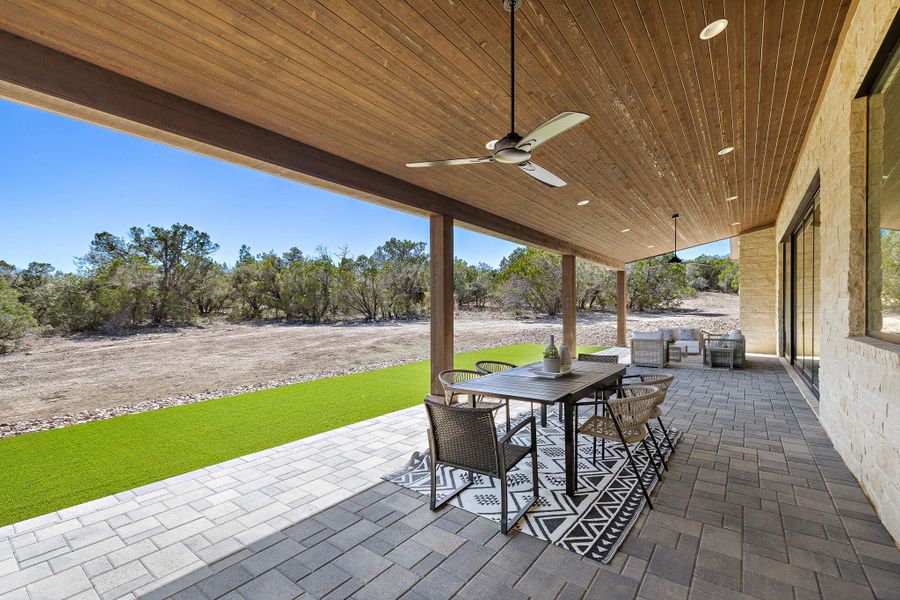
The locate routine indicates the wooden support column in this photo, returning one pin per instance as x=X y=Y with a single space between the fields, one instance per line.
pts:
x=621 y=303
x=441 y=298
x=569 y=306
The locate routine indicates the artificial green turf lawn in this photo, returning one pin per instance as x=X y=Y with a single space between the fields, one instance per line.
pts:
x=49 y=470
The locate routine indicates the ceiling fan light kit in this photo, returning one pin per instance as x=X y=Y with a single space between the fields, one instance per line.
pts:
x=512 y=148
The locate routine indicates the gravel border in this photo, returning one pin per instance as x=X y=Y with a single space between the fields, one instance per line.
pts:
x=599 y=334
x=43 y=424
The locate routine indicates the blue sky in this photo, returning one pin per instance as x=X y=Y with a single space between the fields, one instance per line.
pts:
x=62 y=180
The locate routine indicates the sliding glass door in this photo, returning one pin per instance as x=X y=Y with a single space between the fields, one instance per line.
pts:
x=802 y=316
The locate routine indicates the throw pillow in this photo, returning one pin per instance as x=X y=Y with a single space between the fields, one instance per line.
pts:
x=686 y=333
x=647 y=335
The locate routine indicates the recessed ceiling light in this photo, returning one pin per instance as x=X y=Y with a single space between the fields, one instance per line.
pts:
x=625 y=230
x=726 y=150
x=583 y=202
x=650 y=246
x=736 y=223
x=713 y=29
x=730 y=198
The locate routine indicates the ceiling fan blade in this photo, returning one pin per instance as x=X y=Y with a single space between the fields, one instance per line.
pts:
x=451 y=162
x=552 y=128
x=542 y=174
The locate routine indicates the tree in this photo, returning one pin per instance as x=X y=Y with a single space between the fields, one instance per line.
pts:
x=7 y=272
x=178 y=253
x=531 y=278
x=210 y=292
x=708 y=273
x=655 y=283
x=729 y=278
x=246 y=292
x=473 y=284
x=15 y=317
x=306 y=284
x=405 y=277
x=890 y=269
x=364 y=288
x=595 y=286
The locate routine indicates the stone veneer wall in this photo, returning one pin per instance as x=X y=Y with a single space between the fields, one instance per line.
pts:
x=859 y=404
x=757 y=291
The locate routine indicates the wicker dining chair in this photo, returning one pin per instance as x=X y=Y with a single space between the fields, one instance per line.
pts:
x=599 y=358
x=487 y=367
x=662 y=382
x=454 y=376
x=465 y=438
x=627 y=422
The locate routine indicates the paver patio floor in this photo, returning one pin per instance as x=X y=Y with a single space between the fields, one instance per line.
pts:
x=757 y=504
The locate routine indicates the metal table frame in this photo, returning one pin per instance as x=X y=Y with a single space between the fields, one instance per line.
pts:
x=521 y=384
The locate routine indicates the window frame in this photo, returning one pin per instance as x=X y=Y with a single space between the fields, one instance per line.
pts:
x=889 y=57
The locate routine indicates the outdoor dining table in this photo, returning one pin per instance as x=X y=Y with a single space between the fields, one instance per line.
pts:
x=521 y=383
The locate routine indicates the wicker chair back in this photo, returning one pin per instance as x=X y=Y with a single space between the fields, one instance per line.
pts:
x=660 y=381
x=635 y=405
x=601 y=358
x=464 y=437
x=486 y=367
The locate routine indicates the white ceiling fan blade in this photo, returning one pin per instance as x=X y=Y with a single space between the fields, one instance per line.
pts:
x=552 y=128
x=451 y=162
x=542 y=174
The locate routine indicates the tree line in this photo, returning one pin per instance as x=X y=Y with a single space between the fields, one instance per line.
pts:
x=163 y=276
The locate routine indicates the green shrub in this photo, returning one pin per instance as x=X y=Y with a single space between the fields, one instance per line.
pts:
x=15 y=318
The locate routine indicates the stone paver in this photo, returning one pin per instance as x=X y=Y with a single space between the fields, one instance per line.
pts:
x=756 y=504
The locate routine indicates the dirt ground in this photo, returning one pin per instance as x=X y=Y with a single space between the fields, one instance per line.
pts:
x=59 y=375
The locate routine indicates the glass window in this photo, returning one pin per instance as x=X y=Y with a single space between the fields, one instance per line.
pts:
x=883 y=239
x=803 y=308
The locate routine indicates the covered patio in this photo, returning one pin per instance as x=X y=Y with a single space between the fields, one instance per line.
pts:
x=757 y=504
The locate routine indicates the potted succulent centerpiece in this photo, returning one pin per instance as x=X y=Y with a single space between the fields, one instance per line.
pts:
x=551 y=357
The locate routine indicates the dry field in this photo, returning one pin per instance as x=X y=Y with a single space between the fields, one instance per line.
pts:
x=57 y=376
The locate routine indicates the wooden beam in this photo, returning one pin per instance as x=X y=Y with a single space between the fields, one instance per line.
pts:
x=569 y=305
x=441 y=298
x=49 y=79
x=621 y=305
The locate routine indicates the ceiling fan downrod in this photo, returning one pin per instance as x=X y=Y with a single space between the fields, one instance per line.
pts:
x=675 y=259
x=512 y=6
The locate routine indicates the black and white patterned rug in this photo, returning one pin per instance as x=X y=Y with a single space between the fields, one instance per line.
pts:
x=593 y=523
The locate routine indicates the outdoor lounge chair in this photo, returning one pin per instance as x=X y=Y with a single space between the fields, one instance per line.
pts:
x=627 y=422
x=734 y=340
x=466 y=438
x=452 y=376
x=648 y=349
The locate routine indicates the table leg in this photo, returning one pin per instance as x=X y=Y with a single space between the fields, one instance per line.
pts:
x=571 y=462
x=543 y=415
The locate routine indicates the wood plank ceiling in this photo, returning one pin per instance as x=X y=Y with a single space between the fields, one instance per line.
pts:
x=386 y=82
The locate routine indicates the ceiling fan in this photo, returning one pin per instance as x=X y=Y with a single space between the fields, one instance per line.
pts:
x=514 y=149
